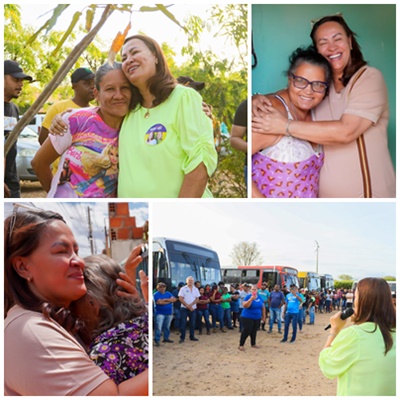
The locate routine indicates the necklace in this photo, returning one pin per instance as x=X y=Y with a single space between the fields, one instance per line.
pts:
x=147 y=114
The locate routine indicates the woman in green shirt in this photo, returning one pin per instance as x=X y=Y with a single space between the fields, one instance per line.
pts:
x=363 y=356
x=166 y=143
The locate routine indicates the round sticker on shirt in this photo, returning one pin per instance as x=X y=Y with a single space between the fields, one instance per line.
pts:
x=155 y=135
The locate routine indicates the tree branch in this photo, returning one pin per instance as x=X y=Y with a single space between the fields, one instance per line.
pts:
x=57 y=79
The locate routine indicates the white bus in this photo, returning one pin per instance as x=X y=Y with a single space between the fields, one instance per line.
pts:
x=175 y=260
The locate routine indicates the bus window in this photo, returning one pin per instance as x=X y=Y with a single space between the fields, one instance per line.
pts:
x=251 y=276
x=291 y=280
x=209 y=271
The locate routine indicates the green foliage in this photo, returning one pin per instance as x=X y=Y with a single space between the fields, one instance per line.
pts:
x=345 y=277
x=389 y=278
x=345 y=284
x=226 y=85
x=37 y=59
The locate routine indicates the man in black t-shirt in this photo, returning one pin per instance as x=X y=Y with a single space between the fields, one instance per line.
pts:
x=239 y=132
x=13 y=82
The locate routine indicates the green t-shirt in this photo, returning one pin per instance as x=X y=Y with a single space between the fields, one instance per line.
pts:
x=356 y=357
x=157 y=147
x=226 y=304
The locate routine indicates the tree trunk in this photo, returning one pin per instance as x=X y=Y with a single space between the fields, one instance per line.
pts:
x=57 y=79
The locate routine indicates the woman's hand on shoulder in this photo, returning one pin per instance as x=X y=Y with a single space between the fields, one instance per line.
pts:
x=272 y=122
x=259 y=102
x=58 y=126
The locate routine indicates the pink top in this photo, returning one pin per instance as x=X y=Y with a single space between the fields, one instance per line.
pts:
x=341 y=174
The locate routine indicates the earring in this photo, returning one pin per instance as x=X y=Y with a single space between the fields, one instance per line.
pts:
x=29 y=279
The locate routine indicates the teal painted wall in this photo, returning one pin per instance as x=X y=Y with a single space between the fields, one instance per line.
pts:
x=280 y=29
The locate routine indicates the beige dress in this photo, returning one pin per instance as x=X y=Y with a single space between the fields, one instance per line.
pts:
x=42 y=359
x=341 y=176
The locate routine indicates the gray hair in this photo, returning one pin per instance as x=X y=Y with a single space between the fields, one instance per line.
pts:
x=103 y=71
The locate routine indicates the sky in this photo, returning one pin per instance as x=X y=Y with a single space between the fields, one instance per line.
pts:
x=154 y=24
x=76 y=216
x=354 y=238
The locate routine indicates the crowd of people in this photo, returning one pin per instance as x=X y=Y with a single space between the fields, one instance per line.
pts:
x=219 y=308
x=348 y=355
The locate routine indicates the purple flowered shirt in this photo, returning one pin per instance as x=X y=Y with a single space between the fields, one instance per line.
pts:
x=123 y=352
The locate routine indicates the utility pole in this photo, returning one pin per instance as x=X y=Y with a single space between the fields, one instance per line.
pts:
x=317 y=251
x=90 y=237
x=108 y=252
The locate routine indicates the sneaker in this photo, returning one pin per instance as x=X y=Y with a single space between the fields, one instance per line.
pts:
x=283 y=340
x=269 y=331
x=279 y=331
x=215 y=330
x=208 y=332
x=181 y=341
x=193 y=339
x=223 y=329
x=168 y=341
x=231 y=328
x=157 y=344
x=292 y=341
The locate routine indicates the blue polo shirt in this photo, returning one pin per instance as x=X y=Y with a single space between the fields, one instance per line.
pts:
x=165 y=309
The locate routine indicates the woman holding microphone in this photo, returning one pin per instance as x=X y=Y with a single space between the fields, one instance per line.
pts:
x=363 y=356
x=251 y=317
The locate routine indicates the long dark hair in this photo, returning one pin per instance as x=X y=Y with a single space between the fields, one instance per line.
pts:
x=22 y=234
x=375 y=305
x=162 y=83
x=101 y=273
x=356 y=57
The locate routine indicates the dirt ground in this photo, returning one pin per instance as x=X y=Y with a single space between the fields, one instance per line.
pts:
x=214 y=365
x=32 y=190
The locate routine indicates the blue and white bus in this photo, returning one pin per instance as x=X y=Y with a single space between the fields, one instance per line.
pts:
x=175 y=260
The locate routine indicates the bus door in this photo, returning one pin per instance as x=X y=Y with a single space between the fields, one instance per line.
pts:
x=160 y=267
x=271 y=278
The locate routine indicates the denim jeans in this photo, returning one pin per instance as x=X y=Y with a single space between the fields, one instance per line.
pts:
x=217 y=314
x=275 y=314
x=312 y=314
x=328 y=306
x=206 y=314
x=177 y=318
x=300 y=319
x=163 y=323
x=185 y=313
x=227 y=317
x=291 y=318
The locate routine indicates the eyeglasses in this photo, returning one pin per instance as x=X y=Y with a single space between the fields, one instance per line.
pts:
x=316 y=20
x=301 y=83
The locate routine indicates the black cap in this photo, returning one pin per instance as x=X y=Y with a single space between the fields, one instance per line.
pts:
x=81 y=74
x=188 y=81
x=12 y=68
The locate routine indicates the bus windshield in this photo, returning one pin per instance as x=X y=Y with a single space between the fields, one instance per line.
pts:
x=189 y=260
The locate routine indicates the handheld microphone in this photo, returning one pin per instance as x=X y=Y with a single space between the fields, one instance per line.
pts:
x=344 y=315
